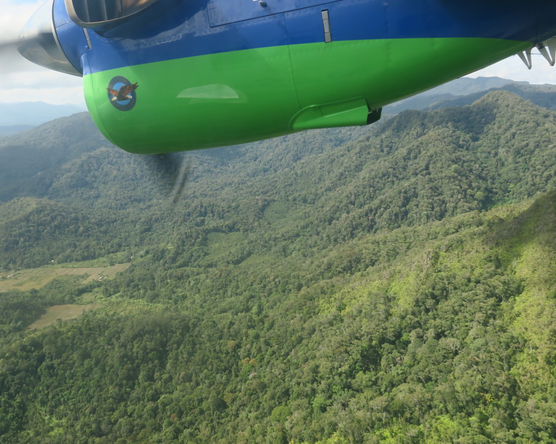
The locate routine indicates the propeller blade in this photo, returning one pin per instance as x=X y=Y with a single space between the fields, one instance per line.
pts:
x=11 y=60
x=171 y=173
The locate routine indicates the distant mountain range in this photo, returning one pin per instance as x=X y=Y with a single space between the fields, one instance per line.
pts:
x=16 y=117
x=465 y=91
x=467 y=85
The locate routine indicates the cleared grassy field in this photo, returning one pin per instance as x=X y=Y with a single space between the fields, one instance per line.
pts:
x=38 y=277
x=62 y=312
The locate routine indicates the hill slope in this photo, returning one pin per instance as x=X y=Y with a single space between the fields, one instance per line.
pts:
x=316 y=189
x=392 y=283
x=442 y=332
x=463 y=92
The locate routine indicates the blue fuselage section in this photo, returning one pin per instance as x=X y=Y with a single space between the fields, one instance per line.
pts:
x=172 y=29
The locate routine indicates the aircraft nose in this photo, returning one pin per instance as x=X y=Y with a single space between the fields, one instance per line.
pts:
x=38 y=42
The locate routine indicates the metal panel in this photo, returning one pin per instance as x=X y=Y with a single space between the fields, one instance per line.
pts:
x=223 y=12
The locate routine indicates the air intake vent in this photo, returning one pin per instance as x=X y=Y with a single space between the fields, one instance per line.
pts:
x=99 y=13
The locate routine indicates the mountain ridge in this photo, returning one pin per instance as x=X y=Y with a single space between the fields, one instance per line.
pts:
x=391 y=283
x=33 y=113
x=442 y=159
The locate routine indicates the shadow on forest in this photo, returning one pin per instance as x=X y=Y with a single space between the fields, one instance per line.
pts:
x=536 y=224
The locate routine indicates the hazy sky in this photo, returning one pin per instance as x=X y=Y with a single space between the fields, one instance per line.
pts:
x=21 y=81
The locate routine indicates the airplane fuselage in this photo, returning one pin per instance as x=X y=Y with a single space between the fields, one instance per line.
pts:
x=225 y=72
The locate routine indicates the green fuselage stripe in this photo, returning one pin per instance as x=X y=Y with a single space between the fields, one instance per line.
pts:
x=237 y=97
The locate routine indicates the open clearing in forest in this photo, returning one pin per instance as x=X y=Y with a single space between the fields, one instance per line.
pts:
x=38 y=277
x=62 y=312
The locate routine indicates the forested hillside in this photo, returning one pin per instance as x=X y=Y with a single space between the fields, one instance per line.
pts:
x=464 y=92
x=385 y=284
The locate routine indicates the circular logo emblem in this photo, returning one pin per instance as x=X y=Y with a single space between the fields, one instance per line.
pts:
x=121 y=93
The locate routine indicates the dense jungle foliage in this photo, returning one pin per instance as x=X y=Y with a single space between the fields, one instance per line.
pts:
x=387 y=284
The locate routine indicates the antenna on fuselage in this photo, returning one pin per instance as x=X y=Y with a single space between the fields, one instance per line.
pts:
x=525 y=57
x=547 y=49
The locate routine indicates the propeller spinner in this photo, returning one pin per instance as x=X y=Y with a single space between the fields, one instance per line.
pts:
x=38 y=42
